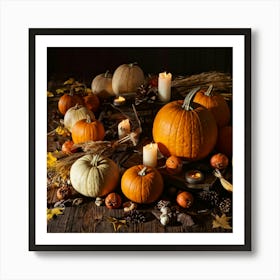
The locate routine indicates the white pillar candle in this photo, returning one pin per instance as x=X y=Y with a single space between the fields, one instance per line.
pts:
x=123 y=128
x=150 y=155
x=164 y=86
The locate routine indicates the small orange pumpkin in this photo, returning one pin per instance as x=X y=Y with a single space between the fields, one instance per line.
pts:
x=219 y=161
x=67 y=147
x=92 y=102
x=174 y=165
x=142 y=184
x=185 y=129
x=113 y=201
x=215 y=103
x=88 y=130
x=67 y=101
x=185 y=199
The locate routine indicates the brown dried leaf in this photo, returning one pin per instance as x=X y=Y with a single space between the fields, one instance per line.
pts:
x=117 y=223
x=222 y=222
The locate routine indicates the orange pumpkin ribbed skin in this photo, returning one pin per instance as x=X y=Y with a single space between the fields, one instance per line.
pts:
x=67 y=101
x=190 y=134
x=216 y=104
x=142 y=189
x=84 y=131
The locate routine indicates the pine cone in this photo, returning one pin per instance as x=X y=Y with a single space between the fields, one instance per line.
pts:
x=211 y=197
x=135 y=217
x=225 y=205
x=145 y=93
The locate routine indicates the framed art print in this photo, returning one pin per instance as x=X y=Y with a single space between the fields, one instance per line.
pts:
x=140 y=139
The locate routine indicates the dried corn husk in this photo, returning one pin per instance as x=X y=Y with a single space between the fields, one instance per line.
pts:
x=226 y=184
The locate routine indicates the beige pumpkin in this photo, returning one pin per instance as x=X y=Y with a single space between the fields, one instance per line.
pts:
x=101 y=85
x=94 y=175
x=127 y=78
x=75 y=114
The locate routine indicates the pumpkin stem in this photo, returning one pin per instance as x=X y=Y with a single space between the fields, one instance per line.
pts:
x=142 y=172
x=95 y=160
x=106 y=75
x=188 y=99
x=77 y=106
x=209 y=91
x=132 y=64
x=88 y=119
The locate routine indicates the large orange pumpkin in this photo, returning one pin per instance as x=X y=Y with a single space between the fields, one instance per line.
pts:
x=215 y=103
x=67 y=101
x=142 y=184
x=87 y=130
x=185 y=129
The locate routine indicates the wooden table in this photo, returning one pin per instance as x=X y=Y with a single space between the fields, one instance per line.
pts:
x=87 y=217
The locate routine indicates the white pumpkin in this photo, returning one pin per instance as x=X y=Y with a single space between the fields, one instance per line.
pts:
x=75 y=114
x=94 y=175
x=101 y=85
x=127 y=78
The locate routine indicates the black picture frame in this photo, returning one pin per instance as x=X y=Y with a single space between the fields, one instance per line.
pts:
x=243 y=32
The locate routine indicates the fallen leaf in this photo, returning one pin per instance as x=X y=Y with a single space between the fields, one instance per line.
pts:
x=50 y=94
x=51 y=160
x=54 y=212
x=60 y=90
x=88 y=91
x=62 y=131
x=70 y=81
x=117 y=223
x=222 y=222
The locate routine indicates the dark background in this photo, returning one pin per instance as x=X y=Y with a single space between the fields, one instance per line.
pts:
x=85 y=63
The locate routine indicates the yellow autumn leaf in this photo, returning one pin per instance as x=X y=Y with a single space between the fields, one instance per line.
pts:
x=88 y=91
x=70 y=81
x=62 y=131
x=60 y=90
x=117 y=223
x=54 y=212
x=222 y=222
x=77 y=89
x=51 y=160
x=50 y=94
